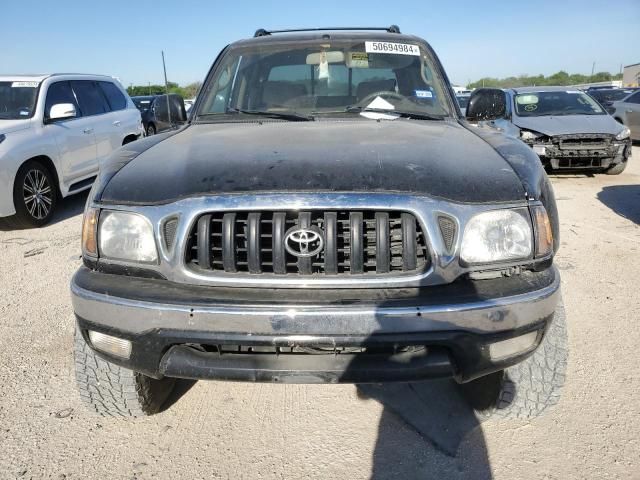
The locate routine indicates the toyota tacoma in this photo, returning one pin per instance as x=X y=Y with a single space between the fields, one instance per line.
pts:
x=326 y=215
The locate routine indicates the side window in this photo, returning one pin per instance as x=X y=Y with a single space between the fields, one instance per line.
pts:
x=114 y=96
x=635 y=98
x=59 y=92
x=90 y=98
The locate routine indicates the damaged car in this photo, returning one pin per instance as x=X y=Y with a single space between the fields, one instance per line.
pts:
x=325 y=216
x=566 y=128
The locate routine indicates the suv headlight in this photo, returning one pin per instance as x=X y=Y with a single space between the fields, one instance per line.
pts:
x=497 y=236
x=126 y=236
x=527 y=135
x=624 y=134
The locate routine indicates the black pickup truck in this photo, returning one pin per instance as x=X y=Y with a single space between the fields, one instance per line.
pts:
x=326 y=215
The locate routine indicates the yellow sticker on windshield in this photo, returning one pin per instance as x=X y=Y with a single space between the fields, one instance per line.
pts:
x=358 y=60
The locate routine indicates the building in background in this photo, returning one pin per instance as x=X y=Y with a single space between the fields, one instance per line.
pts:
x=631 y=75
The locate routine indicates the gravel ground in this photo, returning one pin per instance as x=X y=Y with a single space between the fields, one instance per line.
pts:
x=229 y=430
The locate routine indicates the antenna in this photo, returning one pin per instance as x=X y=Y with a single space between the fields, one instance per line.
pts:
x=166 y=87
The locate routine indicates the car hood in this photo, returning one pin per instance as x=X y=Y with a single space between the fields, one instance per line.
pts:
x=569 y=124
x=9 y=126
x=435 y=158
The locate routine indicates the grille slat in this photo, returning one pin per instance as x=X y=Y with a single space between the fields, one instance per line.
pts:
x=304 y=263
x=204 y=250
x=355 y=243
x=228 y=247
x=252 y=234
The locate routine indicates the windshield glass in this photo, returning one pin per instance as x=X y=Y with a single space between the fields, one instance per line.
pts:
x=324 y=77
x=569 y=102
x=18 y=100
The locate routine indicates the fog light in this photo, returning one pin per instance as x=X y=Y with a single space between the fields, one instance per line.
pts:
x=512 y=346
x=118 y=347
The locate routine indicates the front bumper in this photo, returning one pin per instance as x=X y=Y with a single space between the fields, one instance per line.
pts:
x=267 y=334
x=552 y=156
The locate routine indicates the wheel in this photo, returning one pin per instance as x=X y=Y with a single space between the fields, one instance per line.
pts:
x=34 y=196
x=617 y=169
x=529 y=388
x=151 y=130
x=114 y=391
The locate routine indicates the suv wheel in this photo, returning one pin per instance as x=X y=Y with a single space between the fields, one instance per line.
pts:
x=151 y=130
x=617 y=169
x=34 y=196
x=528 y=388
x=115 y=391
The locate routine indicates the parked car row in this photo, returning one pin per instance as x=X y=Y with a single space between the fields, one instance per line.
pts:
x=160 y=112
x=54 y=131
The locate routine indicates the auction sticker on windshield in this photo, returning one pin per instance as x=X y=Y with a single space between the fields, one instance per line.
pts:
x=389 y=47
x=24 y=84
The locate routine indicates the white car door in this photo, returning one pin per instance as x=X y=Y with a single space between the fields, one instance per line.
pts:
x=92 y=100
x=123 y=121
x=74 y=137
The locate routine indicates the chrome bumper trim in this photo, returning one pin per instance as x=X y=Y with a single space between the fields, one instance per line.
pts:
x=486 y=316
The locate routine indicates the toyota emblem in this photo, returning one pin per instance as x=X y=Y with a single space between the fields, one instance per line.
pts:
x=304 y=242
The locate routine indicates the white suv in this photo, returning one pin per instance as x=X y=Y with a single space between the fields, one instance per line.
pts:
x=54 y=130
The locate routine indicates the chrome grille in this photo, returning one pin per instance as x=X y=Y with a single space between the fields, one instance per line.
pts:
x=361 y=242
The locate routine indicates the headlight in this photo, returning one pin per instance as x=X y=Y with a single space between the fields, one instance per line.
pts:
x=90 y=232
x=497 y=236
x=624 y=134
x=126 y=236
x=527 y=135
x=544 y=233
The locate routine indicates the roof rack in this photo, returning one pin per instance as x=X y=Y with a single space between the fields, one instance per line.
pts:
x=261 y=32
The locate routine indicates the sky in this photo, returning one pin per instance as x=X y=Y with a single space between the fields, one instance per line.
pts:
x=473 y=39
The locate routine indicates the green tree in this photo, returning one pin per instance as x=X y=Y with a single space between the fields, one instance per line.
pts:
x=560 y=78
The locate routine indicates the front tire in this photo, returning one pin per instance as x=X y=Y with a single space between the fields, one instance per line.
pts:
x=34 y=196
x=114 y=391
x=151 y=130
x=529 y=388
x=617 y=169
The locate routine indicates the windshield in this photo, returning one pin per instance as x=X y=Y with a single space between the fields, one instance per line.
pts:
x=312 y=78
x=569 y=102
x=18 y=100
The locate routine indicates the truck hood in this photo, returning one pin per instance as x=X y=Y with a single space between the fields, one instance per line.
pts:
x=435 y=158
x=9 y=126
x=569 y=124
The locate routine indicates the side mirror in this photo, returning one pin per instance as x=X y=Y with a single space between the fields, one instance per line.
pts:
x=487 y=104
x=60 y=111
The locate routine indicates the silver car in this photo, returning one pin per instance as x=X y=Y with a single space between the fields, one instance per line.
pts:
x=627 y=112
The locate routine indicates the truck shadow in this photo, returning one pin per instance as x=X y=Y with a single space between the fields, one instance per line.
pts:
x=448 y=440
x=623 y=200
x=70 y=207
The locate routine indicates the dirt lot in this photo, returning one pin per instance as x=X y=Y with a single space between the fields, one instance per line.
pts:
x=224 y=430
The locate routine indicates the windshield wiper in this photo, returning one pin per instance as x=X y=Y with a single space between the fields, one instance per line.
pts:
x=400 y=113
x=291 y=116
